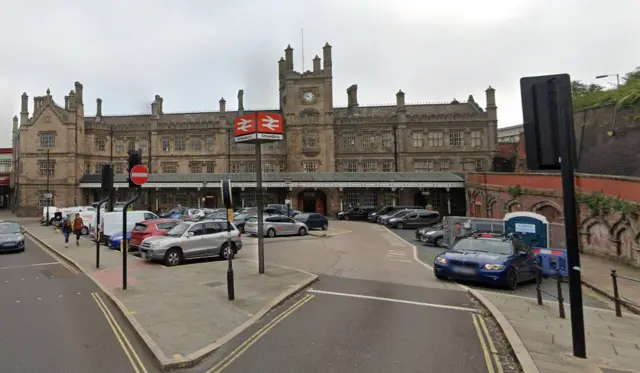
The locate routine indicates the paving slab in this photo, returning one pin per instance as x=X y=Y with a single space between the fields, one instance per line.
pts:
x=182 y=313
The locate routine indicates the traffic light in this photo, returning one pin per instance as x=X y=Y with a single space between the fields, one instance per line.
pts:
x=107 y=177
x=134 y=160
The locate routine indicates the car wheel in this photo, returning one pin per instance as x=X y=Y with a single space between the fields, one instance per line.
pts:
x=271 y=233
x=325 y=227
x=51 y=221
x=439 y=276
x=85 y=231
x=173 y=257
x=225 y=252
x=400 y=225
x=302 y=231
x=439 y=242
x=512 y=279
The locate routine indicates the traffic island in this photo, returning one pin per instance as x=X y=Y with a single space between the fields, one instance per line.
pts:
x=181 y=313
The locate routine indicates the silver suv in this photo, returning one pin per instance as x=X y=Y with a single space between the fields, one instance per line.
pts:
x=191 y=240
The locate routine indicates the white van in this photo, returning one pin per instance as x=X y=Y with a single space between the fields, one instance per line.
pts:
x=52 y=212
x=111 y=222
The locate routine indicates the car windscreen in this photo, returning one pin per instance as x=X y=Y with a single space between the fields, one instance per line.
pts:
x=484 y=245
x=301 y=217
x=178 y=230
x=139 y=227
x=9 y=228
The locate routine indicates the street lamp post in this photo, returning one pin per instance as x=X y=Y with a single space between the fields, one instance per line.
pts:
x=608 y=75
x=287 y=182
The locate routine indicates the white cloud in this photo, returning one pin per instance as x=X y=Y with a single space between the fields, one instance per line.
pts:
x=192 y=53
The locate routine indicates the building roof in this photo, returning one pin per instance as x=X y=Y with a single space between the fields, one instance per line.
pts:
x=300 y=177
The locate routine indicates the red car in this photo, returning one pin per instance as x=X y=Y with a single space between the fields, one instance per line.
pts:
x=150 y=228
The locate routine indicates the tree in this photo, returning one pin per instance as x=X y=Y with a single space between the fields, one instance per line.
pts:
x=578 y=88
x=594 y=95
x=632 y=76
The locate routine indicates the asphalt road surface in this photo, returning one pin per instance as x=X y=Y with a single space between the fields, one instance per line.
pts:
x=351 y=325
x=55 y=320
x=427 y=254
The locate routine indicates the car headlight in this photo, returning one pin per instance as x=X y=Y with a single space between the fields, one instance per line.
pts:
x=494 y=267
x=441 y=260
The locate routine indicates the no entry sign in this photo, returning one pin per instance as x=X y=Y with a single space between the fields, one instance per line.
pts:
x=139 y=174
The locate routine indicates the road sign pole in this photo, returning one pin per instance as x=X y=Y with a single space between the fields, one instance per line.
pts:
x=125 y=242
x=97 y=224
x=227 y=199
x=259 y=203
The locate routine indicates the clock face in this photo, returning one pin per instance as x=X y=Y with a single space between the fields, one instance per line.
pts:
x=308 y=97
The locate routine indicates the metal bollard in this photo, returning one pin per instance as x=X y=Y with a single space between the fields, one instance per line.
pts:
x=560 y=298
x=616 y=293
x=538 y=284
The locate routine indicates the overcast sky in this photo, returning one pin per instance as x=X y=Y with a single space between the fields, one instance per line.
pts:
x=194 y=52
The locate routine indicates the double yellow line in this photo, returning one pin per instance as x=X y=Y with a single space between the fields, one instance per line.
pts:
x=224 y=363
x=489 y=350
x=134 y=359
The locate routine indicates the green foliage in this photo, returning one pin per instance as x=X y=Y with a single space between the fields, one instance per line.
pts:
x=515 y=191
x=594 y=95
x=600 y=204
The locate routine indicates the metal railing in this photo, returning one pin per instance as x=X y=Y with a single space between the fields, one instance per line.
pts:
x=540 y=290
x=619 y=301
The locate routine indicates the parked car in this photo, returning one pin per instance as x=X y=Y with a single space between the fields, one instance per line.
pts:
x=150 y=228
x=278 y=225
x=174 y=213
x=487 y=258
x=313 y=220
x=356 y=213
x=433 y=235
x=395 y=214
x=415 y=219
x=11 y=237
x=111 y=222
x=192 y=240
x=240 y=219
x=115 y=241
x=387 y=210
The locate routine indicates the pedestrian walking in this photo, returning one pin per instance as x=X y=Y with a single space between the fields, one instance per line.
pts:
x=78 y=225
x=66 y=231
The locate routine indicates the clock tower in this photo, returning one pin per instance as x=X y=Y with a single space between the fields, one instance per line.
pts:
x=306 y=100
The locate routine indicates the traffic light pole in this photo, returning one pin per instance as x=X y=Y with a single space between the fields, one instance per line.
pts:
x=97 y=223
x=125 y=242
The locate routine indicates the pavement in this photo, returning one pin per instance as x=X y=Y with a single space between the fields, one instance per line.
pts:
x=181 y=313
x=542 y=340
x=56 y=320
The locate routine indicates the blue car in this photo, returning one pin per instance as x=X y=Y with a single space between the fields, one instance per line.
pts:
x=116 y=239
x=487 y=258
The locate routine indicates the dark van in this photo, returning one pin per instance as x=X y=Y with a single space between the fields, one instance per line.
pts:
x=417 y=219
x=356 y=213
x=373 y=217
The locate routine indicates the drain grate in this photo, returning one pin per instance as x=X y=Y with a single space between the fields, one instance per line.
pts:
x=611 y=370
x=218 y=283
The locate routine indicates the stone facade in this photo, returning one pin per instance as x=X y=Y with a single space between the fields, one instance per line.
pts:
x=451 y=136
x=609 y=221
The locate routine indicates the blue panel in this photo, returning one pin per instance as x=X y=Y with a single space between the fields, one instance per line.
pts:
x=533 y=231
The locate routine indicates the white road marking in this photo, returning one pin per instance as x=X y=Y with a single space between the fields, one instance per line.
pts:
x=30 y=265
x=422 y=304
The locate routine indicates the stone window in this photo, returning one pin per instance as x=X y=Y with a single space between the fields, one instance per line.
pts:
x=387 y=166
x=47 y=168
x=43 y=202
x=435 y=139
x=144 y=146
x=208 y=143
x=100 y=143
x=370 y=166
x=119 y=146
x=456 y=138
x=417 y=139
x=370 y=198
x=210 y=167
x=310 y=166
x=479 y=166
x=351 y=199
x=182 y=199
x=195 y=143
x=179 y=143
x=167 y=196
x=250 y=167
x=369 y=140
x=236 y=167
x=387 y=140
x=445 y=165
x=169 y=168
x=131 y=144
x=269 y=167
x=423 y=166
x=119 y=168
x=348 y=140
x=309 y=118
x=87 y=168
x=310 y=139
x=476 y=139
x=351 y=166
x=98 y=169
x=166 y=144
x=195 y=167
x=47 y=139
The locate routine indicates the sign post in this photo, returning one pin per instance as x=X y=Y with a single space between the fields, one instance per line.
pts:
x=259 y=128
x=227 y=199
x=138 y=176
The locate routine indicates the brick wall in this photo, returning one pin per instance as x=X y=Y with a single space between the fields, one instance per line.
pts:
x=609 y=222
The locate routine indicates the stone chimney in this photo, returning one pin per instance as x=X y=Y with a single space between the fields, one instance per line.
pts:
x=66 y=102
x=241 y=101
x=316 y=64
x=72 y=100
x=98 y=110
x=79 y=93
x=15 y=122
x=159 y=101
x=223 y=105
x=352 y=97
x=288 y=58
x=326 y=56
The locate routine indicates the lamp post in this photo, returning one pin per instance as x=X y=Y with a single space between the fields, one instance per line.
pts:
x=287 y=183
x=609 y=75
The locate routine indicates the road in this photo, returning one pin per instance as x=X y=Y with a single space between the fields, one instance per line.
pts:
x=374 y=309
x=56 y=320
